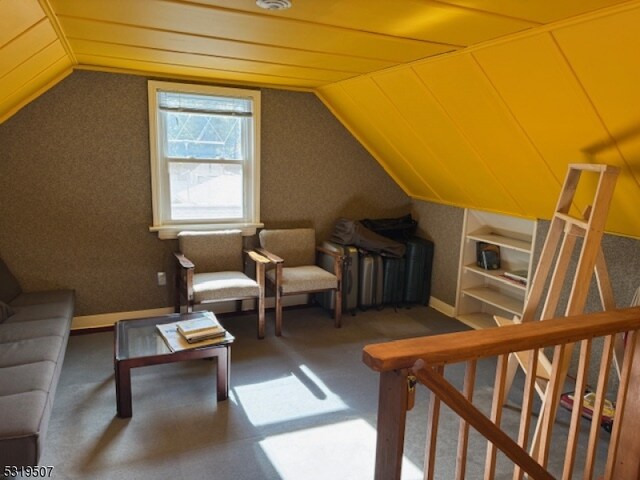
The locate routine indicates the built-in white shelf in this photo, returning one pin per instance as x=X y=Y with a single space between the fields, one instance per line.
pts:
x=483 y=293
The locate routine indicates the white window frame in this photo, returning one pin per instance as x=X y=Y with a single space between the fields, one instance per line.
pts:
x=162 y=223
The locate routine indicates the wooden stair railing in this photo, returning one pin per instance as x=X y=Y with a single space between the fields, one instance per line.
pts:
x=404 y=363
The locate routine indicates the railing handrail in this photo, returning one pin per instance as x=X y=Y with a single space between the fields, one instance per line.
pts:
x=464 y=346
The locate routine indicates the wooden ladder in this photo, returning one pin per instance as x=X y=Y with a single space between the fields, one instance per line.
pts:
x=560 y=243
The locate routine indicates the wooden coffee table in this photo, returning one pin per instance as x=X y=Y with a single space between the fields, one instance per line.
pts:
x=138 y=343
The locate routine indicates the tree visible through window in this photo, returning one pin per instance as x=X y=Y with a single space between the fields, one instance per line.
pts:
x=206 y=154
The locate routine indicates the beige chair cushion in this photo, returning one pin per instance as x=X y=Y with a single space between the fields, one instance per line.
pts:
x=213 y=251
x=296 y=246
x=304 y=279
x=215 y=286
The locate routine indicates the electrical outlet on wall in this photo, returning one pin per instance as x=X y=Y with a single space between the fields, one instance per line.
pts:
x=162 y=279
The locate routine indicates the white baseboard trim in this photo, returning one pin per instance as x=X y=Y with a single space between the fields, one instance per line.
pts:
x=442 y=307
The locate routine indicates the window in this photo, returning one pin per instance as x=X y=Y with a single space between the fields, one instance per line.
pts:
x=204 y=157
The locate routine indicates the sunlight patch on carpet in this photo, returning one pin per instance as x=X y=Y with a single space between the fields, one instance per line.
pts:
x=343 y=450
x=298 y=395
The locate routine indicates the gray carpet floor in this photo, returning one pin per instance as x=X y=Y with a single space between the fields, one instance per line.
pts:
x=302 y=406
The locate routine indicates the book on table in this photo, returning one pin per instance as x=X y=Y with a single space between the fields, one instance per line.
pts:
x=201 y=328
x=177 y=342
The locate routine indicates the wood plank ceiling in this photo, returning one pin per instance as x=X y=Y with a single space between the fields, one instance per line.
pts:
x=477 y=103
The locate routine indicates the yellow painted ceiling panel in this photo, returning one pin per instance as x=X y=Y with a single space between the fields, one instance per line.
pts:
x=362 y=126
x=424 y=20
x=27 y=71
x=10 y=102
x=544 y=11
x=562 y=122
x=25 y=46
x=125 y=52
x=609 y=71
x=506 y=161
x=448 y=154
x=193 y=73
x=17 y=16
x=368 y=97
x=238 y=26
x=80 y=29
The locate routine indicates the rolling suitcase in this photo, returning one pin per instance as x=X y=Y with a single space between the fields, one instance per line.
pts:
x=349 y=277
x=393 y=278
x=419 y=262
x=370 y=284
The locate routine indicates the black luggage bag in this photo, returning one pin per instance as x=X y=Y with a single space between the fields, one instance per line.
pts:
x=419 y=263
x=393 y=278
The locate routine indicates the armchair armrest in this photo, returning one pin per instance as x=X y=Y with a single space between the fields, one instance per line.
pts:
x=256 y=257
x=183 y=261
x=272 y=258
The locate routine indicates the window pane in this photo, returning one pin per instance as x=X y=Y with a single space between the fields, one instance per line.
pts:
x=204 y=136
x=206 y=191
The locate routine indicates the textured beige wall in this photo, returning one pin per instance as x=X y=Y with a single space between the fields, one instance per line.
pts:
x=443 y=225
x=75 y=200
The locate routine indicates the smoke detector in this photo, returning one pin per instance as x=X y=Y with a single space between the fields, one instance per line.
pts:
x=274 y=4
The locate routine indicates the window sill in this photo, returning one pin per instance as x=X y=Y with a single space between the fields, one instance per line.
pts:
x=170 y=232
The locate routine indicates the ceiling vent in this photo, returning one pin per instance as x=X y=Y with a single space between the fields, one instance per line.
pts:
x=274 y=4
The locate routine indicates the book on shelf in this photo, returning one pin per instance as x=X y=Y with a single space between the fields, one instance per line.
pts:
x=177 y=342
x=519 y=276
x=203 y=327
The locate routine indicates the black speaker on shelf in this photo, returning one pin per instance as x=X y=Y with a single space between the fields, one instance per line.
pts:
x=487 y=256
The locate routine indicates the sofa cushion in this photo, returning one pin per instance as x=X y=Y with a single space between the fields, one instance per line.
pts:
x=31 y=351
x=40 y=312
x=5 y=311
x=27 y=378
x=23 y=426
x=9 y=286
x=52 y=327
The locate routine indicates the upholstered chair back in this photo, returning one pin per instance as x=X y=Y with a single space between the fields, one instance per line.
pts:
x=213 y=251
x=296 y=246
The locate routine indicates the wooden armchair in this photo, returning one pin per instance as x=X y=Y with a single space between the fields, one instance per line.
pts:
x=293 y=252
x=211 y=269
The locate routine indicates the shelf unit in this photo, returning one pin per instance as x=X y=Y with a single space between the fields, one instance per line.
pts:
x=481 y=293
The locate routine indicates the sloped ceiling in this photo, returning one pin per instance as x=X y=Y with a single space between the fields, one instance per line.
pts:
x=478 y=103
x=495 y=126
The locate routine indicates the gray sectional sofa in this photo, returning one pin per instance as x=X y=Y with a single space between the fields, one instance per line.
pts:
x=34 y=329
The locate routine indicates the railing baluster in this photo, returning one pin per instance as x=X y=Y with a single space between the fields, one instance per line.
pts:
x=596 y=420
x=496 y=412
x=432 y=432
x=550 y=404
x=527 y=405
x=574 y=428
x=463 y=432
x=623 y=388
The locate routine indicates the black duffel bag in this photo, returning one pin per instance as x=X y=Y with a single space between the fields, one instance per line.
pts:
x=400 y=228
x=350 y=232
